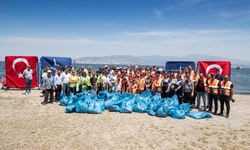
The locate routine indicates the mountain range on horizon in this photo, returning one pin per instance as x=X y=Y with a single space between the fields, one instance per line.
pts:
x=153 y=59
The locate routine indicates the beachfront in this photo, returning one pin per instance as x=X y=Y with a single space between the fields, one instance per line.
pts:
x=26 y=124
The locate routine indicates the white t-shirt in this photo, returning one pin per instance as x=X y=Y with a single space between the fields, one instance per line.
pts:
x=58 y=79
x=28 y=74
x=65 y=77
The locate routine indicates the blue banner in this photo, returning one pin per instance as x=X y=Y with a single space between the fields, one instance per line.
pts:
x=53 y=61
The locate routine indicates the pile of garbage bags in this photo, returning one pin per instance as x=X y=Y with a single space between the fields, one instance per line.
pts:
x=154 y=105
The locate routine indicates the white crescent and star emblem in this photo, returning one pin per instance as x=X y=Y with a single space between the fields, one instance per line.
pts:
x=20 y=75
x=214 y=66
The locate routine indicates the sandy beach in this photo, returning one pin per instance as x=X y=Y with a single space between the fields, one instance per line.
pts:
x=26 y=124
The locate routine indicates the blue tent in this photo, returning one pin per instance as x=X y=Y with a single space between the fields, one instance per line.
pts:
x=173 y=65
x=52 y=61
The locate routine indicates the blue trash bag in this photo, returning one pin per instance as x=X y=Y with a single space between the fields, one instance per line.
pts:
x=199 y=115
x=174 y=100
x=127 y=105
x=96 y=107
x=114 y=100
x=64 y=100
x=154 y=105
x=162 y=108
x=179 y=112
x=70 y=109
x=81 y=106
x=72 y=100
x=140 y=106
x=114 y=108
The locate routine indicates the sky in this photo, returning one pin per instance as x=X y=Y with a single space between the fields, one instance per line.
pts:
x=78 y=28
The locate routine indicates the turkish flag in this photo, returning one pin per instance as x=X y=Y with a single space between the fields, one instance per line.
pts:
x=15 y=65
x=206 y=67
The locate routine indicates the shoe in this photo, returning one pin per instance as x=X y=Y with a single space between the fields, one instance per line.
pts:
x=209 y=111
x=215 y=113
x=43 y=103
x=220 y=114
x=26 y=93
x=227 y=116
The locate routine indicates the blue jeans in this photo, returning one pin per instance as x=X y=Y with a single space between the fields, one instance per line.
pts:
x=72 y=90
x=66 y=88
x=203 y=96
x=28 y=85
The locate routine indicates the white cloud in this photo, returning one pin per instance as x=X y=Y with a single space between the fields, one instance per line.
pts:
x=158 y=13
x=226 y=43
x=51 y=41
x=235 y=14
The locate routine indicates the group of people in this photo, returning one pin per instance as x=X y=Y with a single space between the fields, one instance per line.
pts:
x=189 y=85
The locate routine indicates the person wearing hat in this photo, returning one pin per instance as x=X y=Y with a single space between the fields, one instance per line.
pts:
x=27 y=73
x=48 y=86
x=226 y=94
x=213 y=92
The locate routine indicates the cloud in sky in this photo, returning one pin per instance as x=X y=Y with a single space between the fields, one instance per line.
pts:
x=226 y=43
x=234 y=14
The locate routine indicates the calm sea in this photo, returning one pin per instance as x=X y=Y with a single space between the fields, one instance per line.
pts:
x=241 y=78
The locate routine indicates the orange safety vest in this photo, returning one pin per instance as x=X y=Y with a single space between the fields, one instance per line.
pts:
x=226 y=88
x=213 y=86
x=134 y=89
x=142 y=84
x=153 y=85
x=158 y=82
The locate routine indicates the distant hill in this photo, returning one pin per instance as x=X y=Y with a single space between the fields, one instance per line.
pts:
x=153 y=59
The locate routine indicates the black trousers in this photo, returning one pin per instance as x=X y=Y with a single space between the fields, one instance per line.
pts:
x=58 y=92
x=187 y=97
x=48 y=95
x=211 y=98
x=225 y=99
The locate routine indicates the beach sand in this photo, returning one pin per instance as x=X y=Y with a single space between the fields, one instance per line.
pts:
x=26 y=124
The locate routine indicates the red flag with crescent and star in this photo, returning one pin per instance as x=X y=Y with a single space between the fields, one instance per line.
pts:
x=15 y=66
x=206 y=67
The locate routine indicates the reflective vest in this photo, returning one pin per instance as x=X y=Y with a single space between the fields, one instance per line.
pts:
x=88 y=80
x=134 y=88
x=99 y=80
x=142 y=84
x=158 y=85
x=226 y=88
x=83 y=82
x=72 y=81
x=213 y=86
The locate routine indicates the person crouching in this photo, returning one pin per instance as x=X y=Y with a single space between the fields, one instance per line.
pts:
x=48 y=86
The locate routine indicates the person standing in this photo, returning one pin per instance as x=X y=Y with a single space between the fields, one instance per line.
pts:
x=27 y=73
x=58 y=84
x=213 y=91
x=201 y=92
x=72 y=82
x=48 y=86
x=187 y=89
x=226 y=94
x=65 y=79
